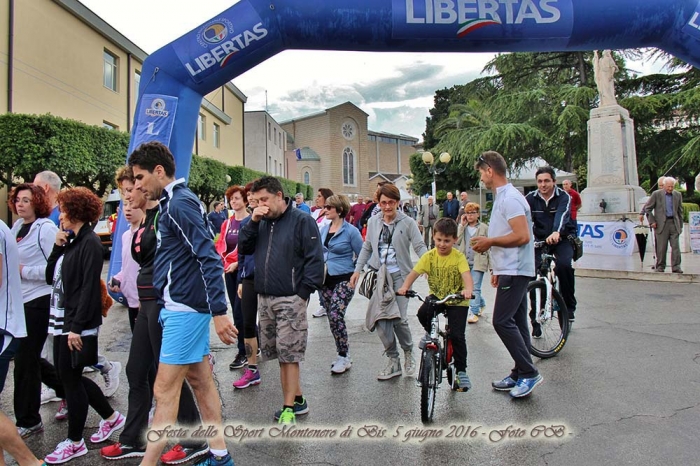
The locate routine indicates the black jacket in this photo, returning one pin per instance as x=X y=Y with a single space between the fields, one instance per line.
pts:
x=548 y=217
x=288 y=253
x=81 y=273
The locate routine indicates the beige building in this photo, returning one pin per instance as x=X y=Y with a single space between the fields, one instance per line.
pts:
x=61 y=58
x=265 y=144
x=336 y=150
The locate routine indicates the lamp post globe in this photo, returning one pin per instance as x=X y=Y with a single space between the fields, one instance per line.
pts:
x=427 y=158
x=445 y=157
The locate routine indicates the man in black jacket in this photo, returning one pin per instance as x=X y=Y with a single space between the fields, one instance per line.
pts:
x=551 y=222
x=451 y=207
x=288 y=268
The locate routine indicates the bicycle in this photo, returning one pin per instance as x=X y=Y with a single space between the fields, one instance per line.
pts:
x=435 y=356
x=549 y=318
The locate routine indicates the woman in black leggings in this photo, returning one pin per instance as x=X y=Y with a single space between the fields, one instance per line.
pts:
x=249 y=309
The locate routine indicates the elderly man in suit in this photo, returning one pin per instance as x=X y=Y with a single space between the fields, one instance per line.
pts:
x=665 y=212
x=429 y=214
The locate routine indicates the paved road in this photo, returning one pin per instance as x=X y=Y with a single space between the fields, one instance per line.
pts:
x=625 y=389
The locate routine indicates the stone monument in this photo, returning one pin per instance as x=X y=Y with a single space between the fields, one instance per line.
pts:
x=612 y=157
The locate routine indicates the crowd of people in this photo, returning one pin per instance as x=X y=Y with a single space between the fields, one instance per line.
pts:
x=272 y=253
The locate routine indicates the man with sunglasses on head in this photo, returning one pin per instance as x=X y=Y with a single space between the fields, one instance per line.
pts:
x=512 y=268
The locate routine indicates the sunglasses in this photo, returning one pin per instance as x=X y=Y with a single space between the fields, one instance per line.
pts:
x=328 y=207
x=483 y=161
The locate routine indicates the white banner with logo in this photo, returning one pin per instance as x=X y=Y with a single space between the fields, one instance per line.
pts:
x=694 y=227
x=607 y=238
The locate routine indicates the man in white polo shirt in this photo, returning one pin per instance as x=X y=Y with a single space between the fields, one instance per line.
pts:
x=513 y=266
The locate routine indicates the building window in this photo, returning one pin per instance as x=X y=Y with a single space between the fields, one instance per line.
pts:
x=110 y=71
x=348 y=166
x=137 y=81
x=348 y=130
x=216 y=135
x=201 y=127
x=269 y=164
x=372 y=137
x=275 y=140
x=269 y=131
x=108 y=125
x=307 y=178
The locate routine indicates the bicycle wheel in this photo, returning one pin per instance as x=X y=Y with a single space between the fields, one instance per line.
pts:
x=549 y=336
x=428 y=388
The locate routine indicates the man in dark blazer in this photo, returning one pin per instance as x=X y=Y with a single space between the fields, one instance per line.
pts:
x=664 y=210
x=450 y=207
x=429 y=214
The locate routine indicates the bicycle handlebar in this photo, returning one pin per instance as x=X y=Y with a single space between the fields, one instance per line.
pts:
x=415 y=294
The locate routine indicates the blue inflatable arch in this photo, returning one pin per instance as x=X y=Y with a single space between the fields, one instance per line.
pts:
x=177 y=76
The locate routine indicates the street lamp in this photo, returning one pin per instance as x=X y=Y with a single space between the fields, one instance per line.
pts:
x=434 y=167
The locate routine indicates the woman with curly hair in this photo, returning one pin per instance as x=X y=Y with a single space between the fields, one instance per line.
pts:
x=74 y=268
x=35 y=234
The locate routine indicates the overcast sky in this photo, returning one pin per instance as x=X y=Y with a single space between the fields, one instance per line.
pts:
x=395 y=89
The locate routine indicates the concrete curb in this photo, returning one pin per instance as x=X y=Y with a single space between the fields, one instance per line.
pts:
x=639 y=276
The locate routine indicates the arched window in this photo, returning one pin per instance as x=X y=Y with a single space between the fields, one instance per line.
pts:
x=348 y=166
x=307 y=178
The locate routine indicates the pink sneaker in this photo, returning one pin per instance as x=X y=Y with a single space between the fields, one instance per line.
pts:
x=62 y=412
x=107 y=428
x=66 y=451
x=247 y=379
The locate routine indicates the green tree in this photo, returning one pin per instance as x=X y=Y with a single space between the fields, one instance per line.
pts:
x=81 y=155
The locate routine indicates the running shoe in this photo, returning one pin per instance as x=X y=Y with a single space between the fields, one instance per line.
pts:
x=112 y=379
x=119 y=451
x=239 y=362
x=247 y=379
x=66 y=451
x=25 y=432
x=287 y=417
x=107 y=428
x=392 y=369
x=62 y=412
x=299 y=409
x=48 y=395
x=409 y=362
x=341 y=364
x=320 y=313
x=213 y=460
x=179 y=454
x=525 y=386
x=463 y=382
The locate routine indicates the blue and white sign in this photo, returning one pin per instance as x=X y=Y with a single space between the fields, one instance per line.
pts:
x=607 y=238
x=694 y=230
x=482 y=19
x=157 y=117
x=235 y=34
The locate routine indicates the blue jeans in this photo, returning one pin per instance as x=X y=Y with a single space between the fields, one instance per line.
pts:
x=478 y=302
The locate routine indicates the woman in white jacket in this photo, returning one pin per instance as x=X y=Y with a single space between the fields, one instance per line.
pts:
x=35 y=234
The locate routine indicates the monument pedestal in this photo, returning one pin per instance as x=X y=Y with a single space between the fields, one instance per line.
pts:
x=612 y=166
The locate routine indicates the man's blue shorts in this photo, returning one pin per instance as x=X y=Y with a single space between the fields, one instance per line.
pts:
x=185 y=337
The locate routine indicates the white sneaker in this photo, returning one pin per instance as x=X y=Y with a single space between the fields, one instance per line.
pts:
x=48 y=395
x=107 y=428
x=392 y=369
x=341 y=364
x=320 y=313
x=410 y=362
x=66 y=451
x=112 y=379
x=62 y=412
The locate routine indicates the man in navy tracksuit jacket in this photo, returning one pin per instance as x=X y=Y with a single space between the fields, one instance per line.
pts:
x=551 y=222
x=188 y=277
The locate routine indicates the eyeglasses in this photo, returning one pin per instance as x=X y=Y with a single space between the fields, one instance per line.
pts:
x=482 y=160
x=387 y=203
x=472 y=213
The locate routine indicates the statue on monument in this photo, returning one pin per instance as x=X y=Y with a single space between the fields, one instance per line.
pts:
x=604 y=69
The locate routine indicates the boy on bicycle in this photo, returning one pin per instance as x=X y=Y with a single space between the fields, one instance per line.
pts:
x=448 y=272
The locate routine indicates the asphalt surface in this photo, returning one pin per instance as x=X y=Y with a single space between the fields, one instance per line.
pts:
x=624 y=390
